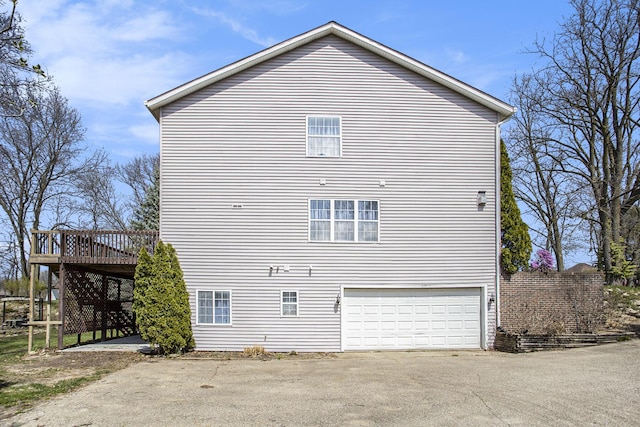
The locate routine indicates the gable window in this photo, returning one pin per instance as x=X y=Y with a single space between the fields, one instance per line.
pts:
x=214 y=307
x=343 y=220
x=324 y=136
x=289 y=303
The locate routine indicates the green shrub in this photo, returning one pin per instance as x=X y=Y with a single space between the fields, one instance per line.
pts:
x=161 y=301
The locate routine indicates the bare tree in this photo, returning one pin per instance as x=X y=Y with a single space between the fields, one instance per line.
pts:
x=549 y=197
x=588 y=98
x=138 y=174
x=14 y=53
x=41 y=156
x=9 y=255
x=104 y=203
x=101 y=206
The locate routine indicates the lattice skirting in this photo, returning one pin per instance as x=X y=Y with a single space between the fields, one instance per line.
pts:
x=97 y=302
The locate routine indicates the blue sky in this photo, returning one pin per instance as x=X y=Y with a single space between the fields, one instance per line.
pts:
x=109 y=56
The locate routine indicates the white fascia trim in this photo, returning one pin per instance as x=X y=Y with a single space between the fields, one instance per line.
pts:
x=504 y=110
x=154 y=104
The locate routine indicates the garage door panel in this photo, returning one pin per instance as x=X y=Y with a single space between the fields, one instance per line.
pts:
x=422 y=341
x=454 y=325
x=411 y=318
x=439 y=325
x=438 y=341
x=422 y=325
x=371 y=309
x=422 y=309
x=471 y=309
x=471 y=324
x=353 y=310
x=388 y=309
x=439 y=309
x=405 y=309
x=454 y=309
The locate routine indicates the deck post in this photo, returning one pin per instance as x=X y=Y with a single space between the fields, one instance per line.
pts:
x=61 y=307
x=32 y=285
x=47 y=342
x=103 y=296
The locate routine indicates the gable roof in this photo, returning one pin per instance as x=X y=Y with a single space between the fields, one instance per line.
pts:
x=331 y=28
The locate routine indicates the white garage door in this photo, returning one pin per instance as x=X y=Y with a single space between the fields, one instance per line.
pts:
x=378 y=319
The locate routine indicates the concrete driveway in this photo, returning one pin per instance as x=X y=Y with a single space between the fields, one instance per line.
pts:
x=596 y=386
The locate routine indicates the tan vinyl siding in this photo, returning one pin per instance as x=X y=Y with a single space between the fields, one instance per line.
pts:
x=242 y=142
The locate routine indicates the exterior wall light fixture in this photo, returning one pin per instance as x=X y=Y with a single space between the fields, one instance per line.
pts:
x=482 y=198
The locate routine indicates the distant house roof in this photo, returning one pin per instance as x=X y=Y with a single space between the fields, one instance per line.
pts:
x=332 y=28
x=582 y=268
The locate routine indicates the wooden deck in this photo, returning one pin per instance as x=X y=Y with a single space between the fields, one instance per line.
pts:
x=95 y=269
x=110 y=250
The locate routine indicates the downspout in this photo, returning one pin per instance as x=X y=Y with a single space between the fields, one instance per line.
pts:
x=160 y=173
x=498 y=243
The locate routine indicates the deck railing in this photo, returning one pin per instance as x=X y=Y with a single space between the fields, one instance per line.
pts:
x=93 y=246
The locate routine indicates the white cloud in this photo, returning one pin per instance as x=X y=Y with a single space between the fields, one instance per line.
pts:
x=148 y=132
x=109 y=52
x=117 y=80
x=108 y=57
x=237 y=27
x=276 y=7
x=457 y=56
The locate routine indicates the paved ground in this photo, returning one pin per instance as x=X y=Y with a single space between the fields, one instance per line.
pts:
x=131 y=343
x=597 y=386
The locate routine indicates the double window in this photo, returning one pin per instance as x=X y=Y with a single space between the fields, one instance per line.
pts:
x=343 y=220
x=214 y=307
x=324 y=136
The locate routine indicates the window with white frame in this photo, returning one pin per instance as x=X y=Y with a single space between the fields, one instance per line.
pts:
x=214 y=307
x=289 y=303
x=343 y=220
x=324 y=136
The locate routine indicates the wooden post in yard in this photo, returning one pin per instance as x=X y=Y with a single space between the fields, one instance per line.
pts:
x=47 y=341
x=32 y=287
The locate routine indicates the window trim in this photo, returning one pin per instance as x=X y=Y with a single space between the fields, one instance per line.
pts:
x=332 y=220
x=282 y=303
x=213 y=323
x=306 y=131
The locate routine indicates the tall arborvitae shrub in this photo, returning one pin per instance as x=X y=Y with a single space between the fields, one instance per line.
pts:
x=143 y=278
x=516 y=242
x=163 y=314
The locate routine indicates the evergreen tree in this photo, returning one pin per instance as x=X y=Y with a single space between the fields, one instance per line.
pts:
x=142 y=278
x=147 y=215
x=182 y=308
x=161 y=304
x=516 y=242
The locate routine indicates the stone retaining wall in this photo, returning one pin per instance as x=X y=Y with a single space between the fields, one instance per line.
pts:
x=517 y=343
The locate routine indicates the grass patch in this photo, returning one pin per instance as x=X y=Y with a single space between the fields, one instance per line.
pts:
x=13 y=347
x=24 y=394
x=25 y=379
